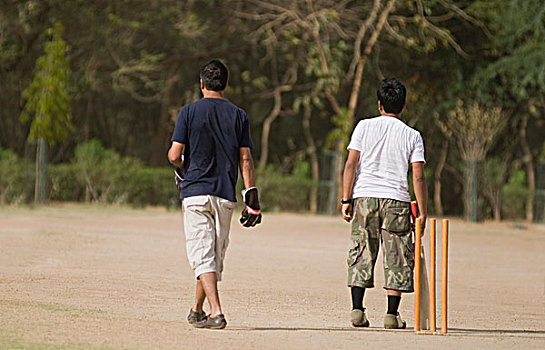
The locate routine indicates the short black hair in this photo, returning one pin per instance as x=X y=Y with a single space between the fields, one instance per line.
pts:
x=391 y=93
x=214 y=75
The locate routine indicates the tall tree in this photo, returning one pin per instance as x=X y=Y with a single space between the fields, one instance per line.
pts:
x=515 y=77
x=48 y=104
x=475 y=129
x=339 y=38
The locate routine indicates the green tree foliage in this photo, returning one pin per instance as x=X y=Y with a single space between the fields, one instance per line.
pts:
x=48 y=104
x=306 y=72
x=47 y=99
x=518 y=71
x=516 y=77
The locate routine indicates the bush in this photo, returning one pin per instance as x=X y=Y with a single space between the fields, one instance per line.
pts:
x=515 y=193
x=104 y=173
x=64 y=183
x=280 y=192
x=152 y=186
x=109 y=178
x=12 y=178
x=101 y=175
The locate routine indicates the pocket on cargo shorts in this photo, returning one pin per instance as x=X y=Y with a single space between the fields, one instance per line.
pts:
x=397 y=220
x=354 y=253
x=227 y=204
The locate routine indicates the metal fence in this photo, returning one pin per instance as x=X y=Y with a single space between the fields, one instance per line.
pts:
x=327 y=189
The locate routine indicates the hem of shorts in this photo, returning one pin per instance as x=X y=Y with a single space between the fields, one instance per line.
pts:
x=200 y=271
x=361 y=285
x=410 y=290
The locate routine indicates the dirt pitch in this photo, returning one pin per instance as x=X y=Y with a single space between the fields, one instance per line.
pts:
x=77 y=277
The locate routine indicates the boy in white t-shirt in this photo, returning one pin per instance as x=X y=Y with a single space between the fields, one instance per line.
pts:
x=376 y=199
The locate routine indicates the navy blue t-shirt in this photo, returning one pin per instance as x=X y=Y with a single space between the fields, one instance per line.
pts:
x=212 y=130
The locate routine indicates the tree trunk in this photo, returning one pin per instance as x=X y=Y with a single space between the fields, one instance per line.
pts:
x=470 y=184
x=89 y=113
x=160 y=138
x=311 y=150
x=352 y=103
x=41 y=167
x=497 y=206
x=267 y=128
x=530 y=170
x=438 y=204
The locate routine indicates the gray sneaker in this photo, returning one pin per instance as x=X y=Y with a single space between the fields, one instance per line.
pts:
x=195 y=316
x=358 y=318
x=217 y=322
x=394 y=322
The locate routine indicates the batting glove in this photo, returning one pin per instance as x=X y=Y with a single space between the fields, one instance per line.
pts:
x=179 y=178
x=251 y=215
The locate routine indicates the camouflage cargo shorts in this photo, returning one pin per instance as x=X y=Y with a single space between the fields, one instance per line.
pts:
x=381 y=220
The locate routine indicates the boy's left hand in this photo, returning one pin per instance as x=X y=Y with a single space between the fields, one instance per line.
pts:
x=346 y=211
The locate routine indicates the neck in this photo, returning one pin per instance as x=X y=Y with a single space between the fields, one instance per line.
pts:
x=212 y=94
x=391 y=115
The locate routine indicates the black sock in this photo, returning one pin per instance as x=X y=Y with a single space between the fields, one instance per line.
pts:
x=393 y=304
x=357 y=298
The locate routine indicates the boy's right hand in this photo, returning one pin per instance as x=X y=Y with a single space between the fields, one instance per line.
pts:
x=251 y=215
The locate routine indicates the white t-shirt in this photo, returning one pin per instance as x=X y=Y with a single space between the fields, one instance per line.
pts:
x=387 y=146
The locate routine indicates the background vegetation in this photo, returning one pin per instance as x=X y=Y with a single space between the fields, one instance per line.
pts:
x=305 y=71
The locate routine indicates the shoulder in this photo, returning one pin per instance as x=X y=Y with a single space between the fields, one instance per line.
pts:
x=226 y=104
x=365 y=121
x=237 y=108
x=240 y=113
x=414 y=135
x=413 y=132
x=410 y=130
x=189 y=107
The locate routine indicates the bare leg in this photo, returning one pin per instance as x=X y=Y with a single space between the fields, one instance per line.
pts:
x=210 y=286
x=200 y=296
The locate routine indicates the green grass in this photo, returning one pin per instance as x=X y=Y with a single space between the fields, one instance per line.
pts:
x=25 y=345
x=52 y=307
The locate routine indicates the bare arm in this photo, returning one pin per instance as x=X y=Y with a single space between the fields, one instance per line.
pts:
x=246 y=165
x=420 y=191
x=348 y=182
x=175 y=154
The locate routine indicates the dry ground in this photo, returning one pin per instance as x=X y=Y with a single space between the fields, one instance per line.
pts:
x=77 y=277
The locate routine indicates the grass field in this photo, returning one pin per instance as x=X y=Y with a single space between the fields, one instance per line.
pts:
x=81 y=277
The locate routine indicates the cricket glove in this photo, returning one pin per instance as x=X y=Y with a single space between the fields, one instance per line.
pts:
x=251 y=215
x=179 y=178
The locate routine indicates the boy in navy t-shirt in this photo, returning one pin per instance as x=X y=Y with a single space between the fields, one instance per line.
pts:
x=211 y=141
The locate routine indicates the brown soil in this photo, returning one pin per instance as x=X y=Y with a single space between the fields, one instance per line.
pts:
x=115 y=278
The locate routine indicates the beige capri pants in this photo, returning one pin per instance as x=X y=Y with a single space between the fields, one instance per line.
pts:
x=207 y=221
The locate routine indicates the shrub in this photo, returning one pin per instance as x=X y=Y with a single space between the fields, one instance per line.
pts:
x=515 y=193
x=64 y=183
x=12 y=178
x=152 y=186
x=104 y=173
x=280 y=192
